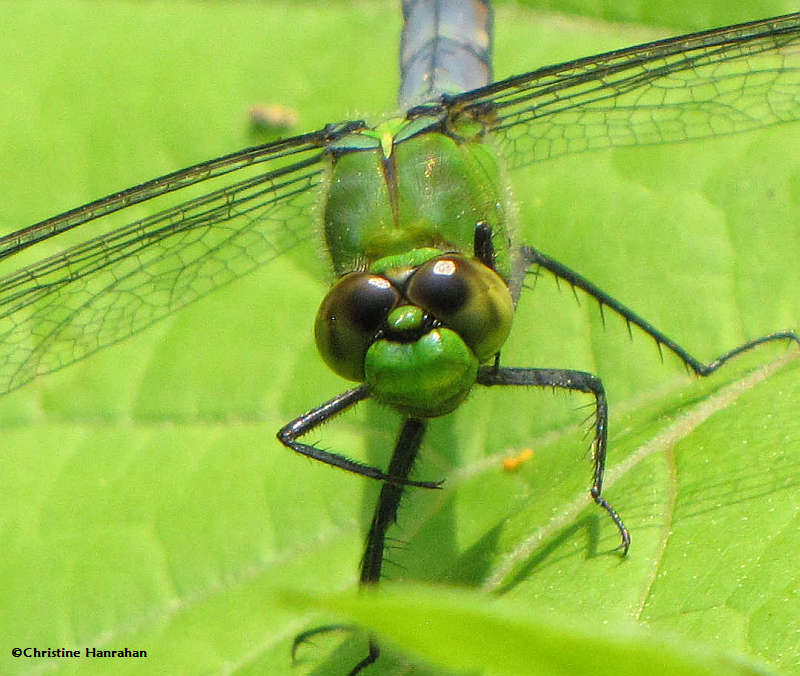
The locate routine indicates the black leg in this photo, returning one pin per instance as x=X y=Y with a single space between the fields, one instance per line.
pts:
x=374 y=654
x=305 y=423
x=534 y=257
x=569 y=380
x=385 y=514
x=374 y=649
x=305 y=636
x=483 y=246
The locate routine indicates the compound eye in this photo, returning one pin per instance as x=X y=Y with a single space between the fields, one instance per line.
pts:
x=467 y=297
x=348 y=319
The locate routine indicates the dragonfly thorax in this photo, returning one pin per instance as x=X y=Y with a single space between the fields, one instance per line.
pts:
x=412 y=184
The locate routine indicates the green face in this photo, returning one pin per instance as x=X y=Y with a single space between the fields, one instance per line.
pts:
x=415 y=332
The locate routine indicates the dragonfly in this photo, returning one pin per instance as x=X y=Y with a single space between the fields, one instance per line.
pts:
x=258 y=203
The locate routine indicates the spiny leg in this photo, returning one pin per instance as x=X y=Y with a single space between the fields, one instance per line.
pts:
x=385 y=514
x=534 y=257
x=580 y=381
x=405 y=453
x=303 y=424
x=562 y=378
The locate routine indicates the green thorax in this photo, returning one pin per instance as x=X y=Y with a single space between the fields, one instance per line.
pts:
x=404 y=185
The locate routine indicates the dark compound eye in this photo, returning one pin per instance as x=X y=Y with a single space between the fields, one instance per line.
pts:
x=467 y=297
x=350 y=315
x=440 y=285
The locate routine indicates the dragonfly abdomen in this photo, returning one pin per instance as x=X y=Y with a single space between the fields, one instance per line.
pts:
x=446 y=48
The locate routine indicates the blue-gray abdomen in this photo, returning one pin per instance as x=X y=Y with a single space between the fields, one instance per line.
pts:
x=446 y=48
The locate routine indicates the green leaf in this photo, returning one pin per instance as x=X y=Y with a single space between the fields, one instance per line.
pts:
x=145 y=502
x=459 y=629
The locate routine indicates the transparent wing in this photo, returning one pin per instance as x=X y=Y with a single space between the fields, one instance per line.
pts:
x=222 y=219
x=707 y=84
x=218 y=220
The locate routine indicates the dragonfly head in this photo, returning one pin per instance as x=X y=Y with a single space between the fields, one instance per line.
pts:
x=415 y=334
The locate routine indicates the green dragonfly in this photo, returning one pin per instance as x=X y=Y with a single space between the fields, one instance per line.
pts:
x=262 y=201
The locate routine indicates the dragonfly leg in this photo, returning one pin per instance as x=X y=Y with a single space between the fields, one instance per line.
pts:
x=534 y=257
x=580 y=381
x=483 y=246
x=405 y=453
x=385 y=514
x=289 y=433
x=304 y=637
